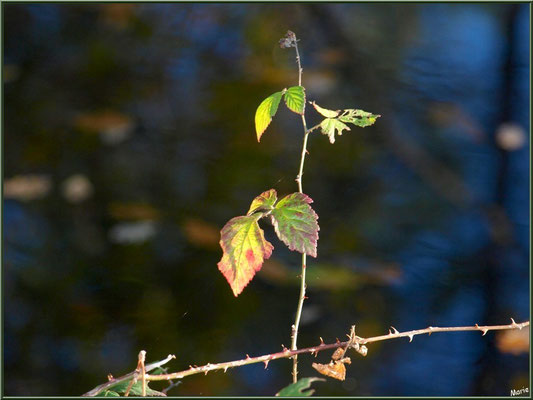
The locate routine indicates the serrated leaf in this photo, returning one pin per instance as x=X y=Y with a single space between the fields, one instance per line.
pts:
x=297 y=388
x=359 y=117
x=265 y=201
x=295 y=99
x=331 y=125
x=245 y=248
x=324 y=111
x=295 y=223
x=264 y=113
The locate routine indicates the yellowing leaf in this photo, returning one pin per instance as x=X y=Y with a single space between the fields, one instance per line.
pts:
x=264 y=113
x=359 y=117
x=265 y=201
x=295 y=223
x=330 y=125
x=324 y=111
x=245 y=248
x=295 y=99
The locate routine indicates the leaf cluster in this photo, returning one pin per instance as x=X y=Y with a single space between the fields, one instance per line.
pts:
x=243 y=241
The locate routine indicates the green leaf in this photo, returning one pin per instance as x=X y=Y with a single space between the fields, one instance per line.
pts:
x=297 y=389
x=108 y=393
x=359 y=117
x=264 y=202
x=264 y=113
x=330 y=125
x=295 y=99
x=136 y=390
x=295 y=223
x=245 y=248
x=324 y=111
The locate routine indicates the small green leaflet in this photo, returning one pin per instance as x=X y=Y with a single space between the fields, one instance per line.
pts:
x=264 y=202
x=295 y=223
x=295 y=99
x=335 y=123
x=330 y=125
x=359 y=117
x=264 y=113
x=297 y=389
x=245 y=248
x=324 y=111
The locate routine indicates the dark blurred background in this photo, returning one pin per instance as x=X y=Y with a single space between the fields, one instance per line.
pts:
x=128 y=142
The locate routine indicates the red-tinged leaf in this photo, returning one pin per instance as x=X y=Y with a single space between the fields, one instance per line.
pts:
x=295 y=223
x=265 y=201
x=245 y=248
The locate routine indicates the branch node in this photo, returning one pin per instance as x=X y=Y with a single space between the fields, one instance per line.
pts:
x=363 y=350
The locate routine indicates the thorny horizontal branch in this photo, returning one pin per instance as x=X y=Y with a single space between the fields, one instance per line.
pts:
x=354 y=341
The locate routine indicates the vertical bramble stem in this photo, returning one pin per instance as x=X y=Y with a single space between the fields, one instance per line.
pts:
x=301 y=299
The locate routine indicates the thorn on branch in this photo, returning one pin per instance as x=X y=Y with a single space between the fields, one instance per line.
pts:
x=515 y=325
x=321 y=341
x=411 y=338
x=266 y=363
x=110 y=377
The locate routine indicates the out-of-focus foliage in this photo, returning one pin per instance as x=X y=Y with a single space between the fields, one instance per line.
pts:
x=129 y=139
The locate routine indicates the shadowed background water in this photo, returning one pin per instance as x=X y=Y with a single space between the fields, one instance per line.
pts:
x=129 y=142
